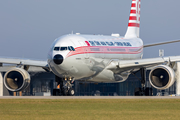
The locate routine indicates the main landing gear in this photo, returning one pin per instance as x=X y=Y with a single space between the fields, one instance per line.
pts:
x=143 y=90
x=64 y=87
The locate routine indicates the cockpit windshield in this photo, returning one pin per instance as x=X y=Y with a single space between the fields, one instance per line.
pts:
x=63 y=48
x=56 y=48
x=70 y=48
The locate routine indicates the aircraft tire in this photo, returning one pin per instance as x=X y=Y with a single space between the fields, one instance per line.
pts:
x=71 y=92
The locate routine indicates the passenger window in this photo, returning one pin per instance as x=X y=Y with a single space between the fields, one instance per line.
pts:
x=63 y=48
x=56 y=48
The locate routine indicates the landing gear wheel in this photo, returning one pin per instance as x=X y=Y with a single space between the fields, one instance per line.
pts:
x=71 y=92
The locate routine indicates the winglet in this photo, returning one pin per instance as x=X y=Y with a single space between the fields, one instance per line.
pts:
x=134 y=20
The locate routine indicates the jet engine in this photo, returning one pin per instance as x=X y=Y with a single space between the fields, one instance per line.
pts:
x=16 y=79
x=162 y=77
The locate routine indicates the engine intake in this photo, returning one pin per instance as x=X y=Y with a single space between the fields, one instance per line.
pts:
x=16 y=79
x=162 y=77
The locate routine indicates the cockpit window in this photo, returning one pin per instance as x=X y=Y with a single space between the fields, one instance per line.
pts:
x=63 y=48
x=56 y=48
x=71 y=48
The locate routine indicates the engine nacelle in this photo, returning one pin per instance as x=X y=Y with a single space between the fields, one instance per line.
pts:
x=162 y=77
x=16 y=79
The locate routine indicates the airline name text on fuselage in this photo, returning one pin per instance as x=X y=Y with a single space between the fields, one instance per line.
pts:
x=105 y=43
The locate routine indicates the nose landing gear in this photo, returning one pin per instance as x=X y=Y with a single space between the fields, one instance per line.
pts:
x=65 y=87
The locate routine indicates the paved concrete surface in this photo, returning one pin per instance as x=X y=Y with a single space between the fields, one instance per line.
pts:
x=90 y=97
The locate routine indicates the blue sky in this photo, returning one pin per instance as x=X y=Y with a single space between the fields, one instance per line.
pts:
x=28 y=28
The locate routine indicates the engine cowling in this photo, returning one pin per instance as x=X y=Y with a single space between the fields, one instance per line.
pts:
x=16 y=79
x=162 y=77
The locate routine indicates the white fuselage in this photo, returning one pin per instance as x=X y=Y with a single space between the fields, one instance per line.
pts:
x=85 y=57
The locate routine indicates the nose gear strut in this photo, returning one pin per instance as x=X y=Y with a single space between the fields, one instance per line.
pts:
x=65 y=86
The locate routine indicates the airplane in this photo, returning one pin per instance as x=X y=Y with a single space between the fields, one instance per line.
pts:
x=97 y=58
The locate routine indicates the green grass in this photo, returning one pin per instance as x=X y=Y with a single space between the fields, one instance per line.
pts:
x=96 y=109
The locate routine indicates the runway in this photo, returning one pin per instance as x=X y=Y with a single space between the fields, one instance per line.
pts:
x=89 y=97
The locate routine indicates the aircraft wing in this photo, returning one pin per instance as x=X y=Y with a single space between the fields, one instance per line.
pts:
x=160 y=43
x=24 y=62
x=123 y=65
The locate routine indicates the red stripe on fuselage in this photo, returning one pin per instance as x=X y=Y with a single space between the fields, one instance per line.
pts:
x=105 y=50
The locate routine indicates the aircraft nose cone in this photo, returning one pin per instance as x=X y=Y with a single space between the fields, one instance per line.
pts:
x=58 y=59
